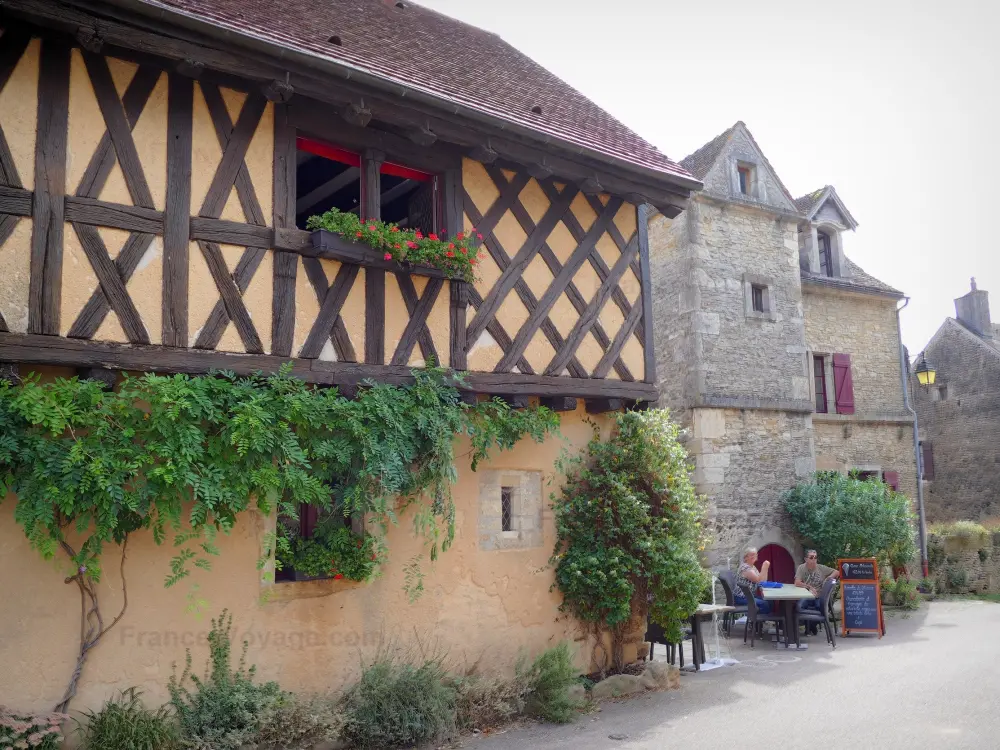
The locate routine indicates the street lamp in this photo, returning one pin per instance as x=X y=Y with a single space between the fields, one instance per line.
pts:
x=926 y=374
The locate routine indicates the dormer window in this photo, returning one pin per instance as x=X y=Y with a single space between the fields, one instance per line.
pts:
x=825 y=254
x=745 y=174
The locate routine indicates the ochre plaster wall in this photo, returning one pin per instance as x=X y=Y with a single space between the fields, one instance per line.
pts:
x=478 y=605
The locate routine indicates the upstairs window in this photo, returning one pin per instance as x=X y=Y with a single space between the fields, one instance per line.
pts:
x=757 y=297
x=325 y=177
x=825 y=254
x=819 y=380
x=745 y=175
x=410 y=198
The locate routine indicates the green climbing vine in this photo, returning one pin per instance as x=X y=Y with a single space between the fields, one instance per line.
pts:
x=182 y=457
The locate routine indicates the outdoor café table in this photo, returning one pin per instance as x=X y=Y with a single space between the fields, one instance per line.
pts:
x=786 y=598
x=704 y=612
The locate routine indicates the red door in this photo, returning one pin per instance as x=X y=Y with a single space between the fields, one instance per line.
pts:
x=782 y=564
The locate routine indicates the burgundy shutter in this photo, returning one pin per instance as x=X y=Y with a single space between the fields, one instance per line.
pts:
x=843 y=383
x=927 y=459
x=308 y=516
x=891 y=478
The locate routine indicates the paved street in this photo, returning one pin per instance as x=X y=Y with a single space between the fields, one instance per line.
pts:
x=932 y=682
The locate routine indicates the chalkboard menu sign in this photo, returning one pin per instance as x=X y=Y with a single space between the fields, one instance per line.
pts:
x=860 y=596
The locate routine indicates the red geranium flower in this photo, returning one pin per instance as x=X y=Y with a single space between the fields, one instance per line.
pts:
x=388 y=256
x=463 y=251
x=394 y=229
x=450 y=254
x=411 y=244
x=432 y=236
x=359 y=234
x=419 y=234
x=460 y=236
x=397 y=246
x=479 y=235
x=371 y=227
x=451 y=245
x=473 y=261
x=473 y=230
x=338 y=576
x=359 y=542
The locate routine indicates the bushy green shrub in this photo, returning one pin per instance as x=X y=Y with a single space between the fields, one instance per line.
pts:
x=298 y=721
x=845 y=516
x=28 y=731
x=928 y=585
x=396 y=704
x=225 y=709
x=550 y=677
x=957 y=579
x=964 y=531
x=903 y=593
x=125 y=723
x=628 y=535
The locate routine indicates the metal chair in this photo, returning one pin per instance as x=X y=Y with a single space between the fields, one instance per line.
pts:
x=823 y=614
x=655 y=634
x=756 y=618
x=728 y=582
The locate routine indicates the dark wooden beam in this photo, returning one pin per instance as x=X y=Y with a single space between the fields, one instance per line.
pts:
x=176 y=216
x=649 y=353
x=591 y=186
x=108 y=378
x=100 y=213
x=231 y=307
x=560 y=403
x=283 y=217
x=230 y=232
x=374 y=316
x=371 y=184
x=422 y=135
x=357 y=114
x=338 y=336
x=55 y=350
x=483 y=153
x=190 y=68
x=89 y=39
x=45 y=285
x=602 y=405
x=458 y=353
x=277 y=91
x=15 y=201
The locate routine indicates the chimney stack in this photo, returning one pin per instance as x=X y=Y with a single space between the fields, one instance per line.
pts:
x=973 y=310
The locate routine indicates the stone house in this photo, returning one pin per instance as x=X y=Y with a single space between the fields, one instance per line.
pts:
x=780 y=355
x=960 y=414
x=158 y=160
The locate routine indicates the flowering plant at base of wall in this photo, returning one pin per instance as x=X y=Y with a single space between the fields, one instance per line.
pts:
x=456 y=256
x=330 y=553
x=628 y=533
x=33 y=731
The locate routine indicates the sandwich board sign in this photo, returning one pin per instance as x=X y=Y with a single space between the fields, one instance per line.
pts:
x=861 y=596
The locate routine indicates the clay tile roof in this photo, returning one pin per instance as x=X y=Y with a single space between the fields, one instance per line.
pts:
x=856 y=280
x=439 y=55
x=702 y=160
x=808 y=202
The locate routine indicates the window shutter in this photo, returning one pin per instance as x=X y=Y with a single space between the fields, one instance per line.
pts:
x=843 y=383
x=891 y=478
x=927 y=459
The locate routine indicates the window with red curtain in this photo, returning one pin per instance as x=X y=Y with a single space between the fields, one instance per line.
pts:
x=843 y=383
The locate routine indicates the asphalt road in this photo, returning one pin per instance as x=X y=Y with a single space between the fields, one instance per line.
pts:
x=932 y=682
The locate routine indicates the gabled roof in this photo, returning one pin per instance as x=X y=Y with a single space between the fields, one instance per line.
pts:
x=991 y=345
x=459 y=64
x=701 y=161
x=811 y=203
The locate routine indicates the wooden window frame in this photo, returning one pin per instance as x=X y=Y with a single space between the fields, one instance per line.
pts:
x=825 y=253
x=819 y=384
x=757 y=293
x=751 y=283
x=744 y=179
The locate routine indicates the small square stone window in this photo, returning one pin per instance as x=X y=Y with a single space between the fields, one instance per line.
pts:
x=758 y=295
x=510 y=509
x=745 y=175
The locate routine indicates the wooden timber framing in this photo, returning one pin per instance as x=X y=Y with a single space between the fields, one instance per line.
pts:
x=196 y=231
x=53 y=350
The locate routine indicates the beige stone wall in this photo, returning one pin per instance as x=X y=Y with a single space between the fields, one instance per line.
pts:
x=863 y=326
x=844 y=444
x=478 y=605
x=744 y=461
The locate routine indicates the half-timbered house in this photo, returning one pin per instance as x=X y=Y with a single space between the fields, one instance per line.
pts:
x=158 y=162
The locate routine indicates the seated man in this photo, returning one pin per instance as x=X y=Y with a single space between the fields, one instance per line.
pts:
x=747 y=575
x=811 y=575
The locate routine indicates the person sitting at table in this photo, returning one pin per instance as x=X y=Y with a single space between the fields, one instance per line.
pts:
x=811 y=575
x=748 y=575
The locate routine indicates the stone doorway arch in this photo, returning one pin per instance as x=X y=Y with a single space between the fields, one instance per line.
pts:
x=782 y=563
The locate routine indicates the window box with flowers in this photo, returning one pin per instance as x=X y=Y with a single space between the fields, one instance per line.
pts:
x=378 y=244
x=331 y=550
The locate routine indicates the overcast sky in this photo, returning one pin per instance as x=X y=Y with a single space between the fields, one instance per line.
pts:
x=893 y=103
